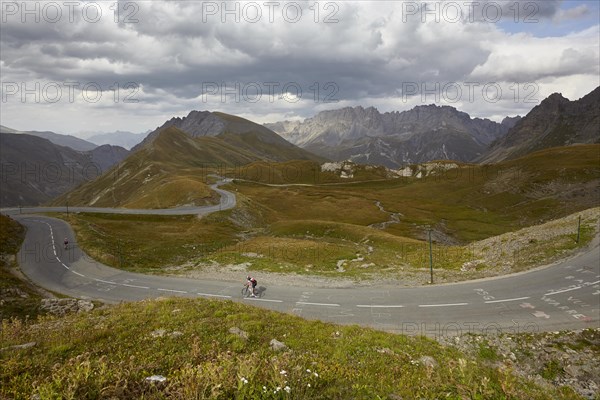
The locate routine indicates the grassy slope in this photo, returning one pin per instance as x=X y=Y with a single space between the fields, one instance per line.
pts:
x=470 y=203
x=17 y=298
x=173 y=169
x=261 y=141
x=169 y=172
x=108 y=353
x=148 y=243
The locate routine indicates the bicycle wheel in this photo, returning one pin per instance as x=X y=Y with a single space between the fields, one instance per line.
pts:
x=245 y=291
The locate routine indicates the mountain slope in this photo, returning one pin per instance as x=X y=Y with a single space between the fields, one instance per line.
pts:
x=394 y=139
x=105 y=156
x=169 y=167
x=246 y=135
x=35 y=170
x=556 y=121
x=171 y=170
x=62 y=140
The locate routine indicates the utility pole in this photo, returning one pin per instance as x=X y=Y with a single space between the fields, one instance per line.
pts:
x=119 y=254
x=578 y=229
x=67 y=208
x=430 y=256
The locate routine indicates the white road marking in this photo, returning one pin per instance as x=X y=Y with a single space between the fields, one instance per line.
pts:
x=541 y=314
x=378 y=306
x=134 y=286
x=269 y=300
x=65 y=265
x=443 y=305
x=562 y=291
x=568 y=290
x=318 y=304
x=506 y=300
x=77 y=273
x=214 y=295
x=109 y=282
x=171 y=290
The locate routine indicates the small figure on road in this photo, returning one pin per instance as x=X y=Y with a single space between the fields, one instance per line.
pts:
x=66 y=243
x=251 y=283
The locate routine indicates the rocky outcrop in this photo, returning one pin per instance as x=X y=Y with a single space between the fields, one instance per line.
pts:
x=509 y=122
x=276 y=345
x=394 y=139
x=65 y=306
x=552 y=358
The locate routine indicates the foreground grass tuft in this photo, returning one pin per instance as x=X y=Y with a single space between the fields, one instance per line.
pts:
x=110 y=353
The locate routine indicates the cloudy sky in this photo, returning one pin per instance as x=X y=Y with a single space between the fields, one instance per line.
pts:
x=76 y=67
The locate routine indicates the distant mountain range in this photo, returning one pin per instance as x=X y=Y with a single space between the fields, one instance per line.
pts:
x=430 y=132
x=172 y=153
x=36 y=170
x=124 y=139
x=555 y=122
x=394 y=139
x=62 y=140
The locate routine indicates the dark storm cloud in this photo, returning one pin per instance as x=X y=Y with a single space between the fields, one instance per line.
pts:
x=176 y=51
x=176 y=46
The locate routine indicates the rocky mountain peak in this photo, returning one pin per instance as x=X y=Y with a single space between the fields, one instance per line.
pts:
x=556 y=121
x=365 y=135
x=509 y=122
x=555 y=98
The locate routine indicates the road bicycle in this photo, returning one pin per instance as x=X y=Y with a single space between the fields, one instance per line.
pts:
x=246 y=292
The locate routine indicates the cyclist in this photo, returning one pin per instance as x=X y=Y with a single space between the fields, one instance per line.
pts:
x=251 y=283
x=66 y=242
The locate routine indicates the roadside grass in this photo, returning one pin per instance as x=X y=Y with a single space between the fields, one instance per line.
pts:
x=168 y=244
x=17 y=298
x=149 y=243
x=552 y=249
x=538 y=245
x=163 y=244
x=11 y=235
x=109 y=353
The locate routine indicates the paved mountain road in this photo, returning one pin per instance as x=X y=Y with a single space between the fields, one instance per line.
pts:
x=562 y=296
x=227 y=201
